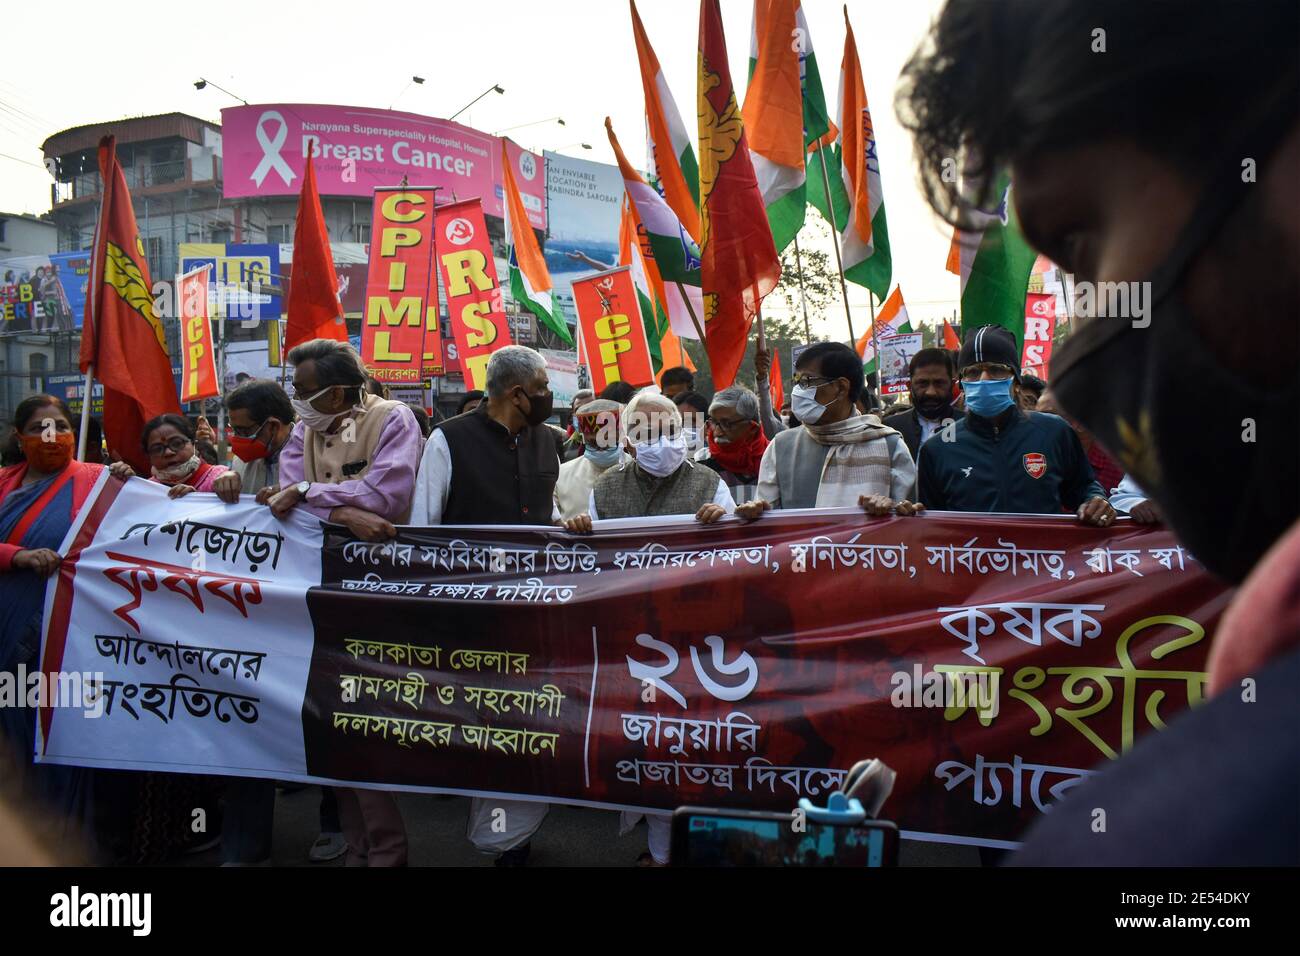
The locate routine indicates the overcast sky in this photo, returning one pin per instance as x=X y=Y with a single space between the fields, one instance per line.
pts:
x=575 y=58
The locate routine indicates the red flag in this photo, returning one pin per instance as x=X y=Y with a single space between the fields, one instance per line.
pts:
x=738 y=258
x=198 y=356
x=776 y=386
x=314 y=309
x=121 y=337
x=950 y=340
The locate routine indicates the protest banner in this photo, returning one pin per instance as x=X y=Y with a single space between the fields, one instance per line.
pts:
x=199 y=365
x=896 y=353
x=400 y=336
x=1040 y=326
x=45 y=293
x=469 y=274
x=613 y=336
x=993 y=661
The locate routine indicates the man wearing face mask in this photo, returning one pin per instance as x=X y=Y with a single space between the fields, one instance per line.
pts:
x=839 y=458
x=496 y=465
x=351 y=460
x=261 y=421
x=602 y=449
x=1114 y=179
x=1003 y=459
x=931 y=377
x=660 y=480
x=735 y=441
x=695 y=412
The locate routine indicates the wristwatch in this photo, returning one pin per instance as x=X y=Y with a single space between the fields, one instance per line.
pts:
x=303 y=487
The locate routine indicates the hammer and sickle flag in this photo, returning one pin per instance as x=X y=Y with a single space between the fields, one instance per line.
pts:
x=121 y=336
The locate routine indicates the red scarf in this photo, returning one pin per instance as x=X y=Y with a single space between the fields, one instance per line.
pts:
x=739 y=457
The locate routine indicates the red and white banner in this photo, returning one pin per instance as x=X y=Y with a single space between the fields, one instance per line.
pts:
x=400 y=340
x=613 y=338
x=474 y=301
x=1040 y=324
x=199 y=365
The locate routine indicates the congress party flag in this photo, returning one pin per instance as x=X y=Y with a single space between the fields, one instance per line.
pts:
x=739 y=263
x=890 y=320
x=774 y=116
x=199 y=364
x=530 y=281
x=665 y=347
x=994 y=261
x=670 y=160
x=613 y=337
x=122 y=339
x=666 y=242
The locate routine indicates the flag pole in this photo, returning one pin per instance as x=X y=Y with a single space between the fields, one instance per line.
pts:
x=875 y=347
x=839 y=262
x=798 y=264
x=221 y=379
x=92 y=299
x=691 y=310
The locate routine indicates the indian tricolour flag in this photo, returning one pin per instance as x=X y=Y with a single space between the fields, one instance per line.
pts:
x=864 y=235
x=891 y=320
x=666 y=349
x=675 y=254
x=994 y=261
x=670 y=158
x=773 y=116
x=530 y=280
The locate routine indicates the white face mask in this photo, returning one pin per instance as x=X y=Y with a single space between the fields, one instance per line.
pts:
x=317 y=421
x=662 y=457
x=177 y=473
x=804 y=404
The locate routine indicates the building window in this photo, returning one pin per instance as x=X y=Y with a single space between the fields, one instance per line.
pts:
x=38 y=363
x=362 y=231
x=282 y=233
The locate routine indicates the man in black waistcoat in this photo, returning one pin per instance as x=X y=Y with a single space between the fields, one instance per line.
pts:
x=496 y=465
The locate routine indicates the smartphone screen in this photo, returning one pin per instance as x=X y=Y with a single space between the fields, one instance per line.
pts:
x=745 y=838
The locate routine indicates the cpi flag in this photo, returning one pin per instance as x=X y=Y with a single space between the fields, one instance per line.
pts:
x=613 y=333
x=1040 y=324
x=122 y=338
x=199 y=369
x=400 y=340
x=478 y=319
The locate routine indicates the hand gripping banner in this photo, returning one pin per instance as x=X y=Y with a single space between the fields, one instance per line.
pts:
x=994 y=661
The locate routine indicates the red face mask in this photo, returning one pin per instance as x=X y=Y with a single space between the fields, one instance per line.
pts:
x=249 y=449
x=739 y=457
x=49 y=456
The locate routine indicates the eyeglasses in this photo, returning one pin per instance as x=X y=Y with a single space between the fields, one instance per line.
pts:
x=810 y=381
x=249 y=432
x=296 y=393
x=998 y=373
x=176 y=444
x=726 y=424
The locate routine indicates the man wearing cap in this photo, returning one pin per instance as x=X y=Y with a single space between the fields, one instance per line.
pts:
x=1001 y=458
x=597 y=424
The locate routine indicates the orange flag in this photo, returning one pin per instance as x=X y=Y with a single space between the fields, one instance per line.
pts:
x=776 y=386
x=313 y=309
x=121 y=337
x=950 y=340
x=739 y=265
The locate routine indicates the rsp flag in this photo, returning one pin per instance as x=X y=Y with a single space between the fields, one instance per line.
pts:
x=613 y=335
x=478 y=318
x=399 y=338
x=199 y=366
x=994 y=661
x=1040 y=325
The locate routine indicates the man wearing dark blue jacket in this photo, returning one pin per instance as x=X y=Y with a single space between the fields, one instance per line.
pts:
x=1000 y=458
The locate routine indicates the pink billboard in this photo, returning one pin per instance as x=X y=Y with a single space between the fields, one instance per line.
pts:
x=356 y=148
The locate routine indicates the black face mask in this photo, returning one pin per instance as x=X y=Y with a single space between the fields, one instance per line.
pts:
x=935 y=409
x=540 y=408
x=1180 y=423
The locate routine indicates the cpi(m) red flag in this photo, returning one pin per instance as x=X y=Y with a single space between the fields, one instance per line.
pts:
x=314 y=310
x=739 y=265
x=121 y=337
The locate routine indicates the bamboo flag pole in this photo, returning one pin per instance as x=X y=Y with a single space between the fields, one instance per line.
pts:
x=695 y=320
x=803 y=299
x=875 y=347
x=839 y=262
x=92 y=301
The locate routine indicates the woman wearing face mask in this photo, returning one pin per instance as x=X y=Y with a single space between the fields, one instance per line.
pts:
x=597 y=425
x=174 y=461
x=660 y=480
x=39 y=499
x=839 y=458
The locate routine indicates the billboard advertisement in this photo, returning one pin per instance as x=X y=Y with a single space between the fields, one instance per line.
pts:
x=235 y=267
x=45 y=293
x=357 y=149
x=583 y=202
